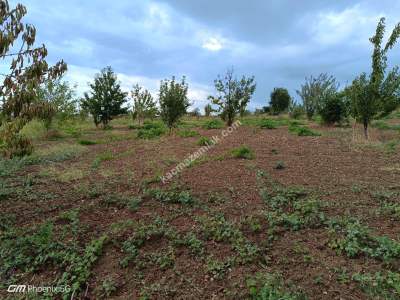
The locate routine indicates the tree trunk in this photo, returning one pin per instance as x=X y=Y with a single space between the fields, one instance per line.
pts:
x=366 y=129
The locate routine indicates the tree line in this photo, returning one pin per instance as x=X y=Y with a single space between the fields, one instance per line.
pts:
x=33 y=89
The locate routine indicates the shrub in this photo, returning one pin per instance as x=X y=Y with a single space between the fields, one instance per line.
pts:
x=296 y=111
x=243 y=152
x=213 y=124
x=151 y=130
x=268 y=124
x=333 y=110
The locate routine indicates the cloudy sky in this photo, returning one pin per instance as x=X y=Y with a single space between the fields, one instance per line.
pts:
x=279 y=41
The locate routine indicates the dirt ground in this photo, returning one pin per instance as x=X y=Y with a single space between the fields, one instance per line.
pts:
x=222 y=242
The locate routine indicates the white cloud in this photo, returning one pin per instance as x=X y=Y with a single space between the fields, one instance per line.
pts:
x=353 y=25
x=81 y=76
x=212 y=44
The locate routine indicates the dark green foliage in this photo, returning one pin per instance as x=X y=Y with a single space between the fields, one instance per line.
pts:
x=233 y=95
x=86 y=142
x=333 y=109
x=151 y=130
x=280 y=100
x=173 y=101
x=243 y=152
x=280 y=165
x=376 y=95
x=106 y=98
x=213 y=124
x=315 y=91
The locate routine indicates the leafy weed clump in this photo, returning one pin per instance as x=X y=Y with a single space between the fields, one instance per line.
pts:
x=243 y=152
x=205 y=141
x=302 y=130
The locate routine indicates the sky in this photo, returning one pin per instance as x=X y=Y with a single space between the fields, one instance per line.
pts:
x=280 y=42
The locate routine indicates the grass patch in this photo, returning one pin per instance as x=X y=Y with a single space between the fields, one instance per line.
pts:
x=243 y=152
x=214 y=124
x=205 y=141
x=268 y=124
x=151 y=130
x=187 y=133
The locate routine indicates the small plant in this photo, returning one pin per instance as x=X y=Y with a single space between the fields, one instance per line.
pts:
x=302 y=130
x=86 y=142
x=213 y=124
x=280 y=165
x=269 y=287
x=134 y=203
x=108 y=287
x=172 y=196
x=243 y=152
x=187 y=133
x=205 y=141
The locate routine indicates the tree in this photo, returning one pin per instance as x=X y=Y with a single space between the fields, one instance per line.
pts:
x=378 y=94
x=208 y=110
x=143 y=104
x=280 y=100
x=333 y=110
x=315 y=90
x=106 y=98
x=28 y=69
x=173 y=101
x=61 y=96
x=233 y=95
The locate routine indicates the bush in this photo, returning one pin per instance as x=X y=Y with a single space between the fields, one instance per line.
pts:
x=243 y=152
x=333 y=109
x=151 y=130
x=214 y=124
x=268 y=124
